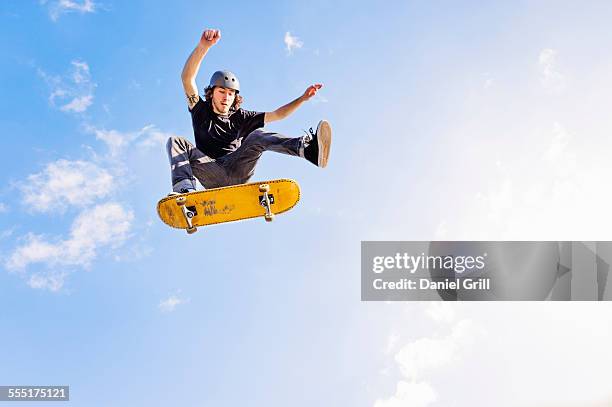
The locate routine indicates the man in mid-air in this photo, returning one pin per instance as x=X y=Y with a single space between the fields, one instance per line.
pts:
x=230 y=140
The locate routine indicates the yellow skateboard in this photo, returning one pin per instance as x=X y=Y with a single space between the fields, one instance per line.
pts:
x=227 y=204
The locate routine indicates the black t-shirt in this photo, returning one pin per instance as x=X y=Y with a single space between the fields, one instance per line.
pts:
x=217 y=135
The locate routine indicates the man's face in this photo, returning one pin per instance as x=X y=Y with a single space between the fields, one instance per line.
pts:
x=223 y=99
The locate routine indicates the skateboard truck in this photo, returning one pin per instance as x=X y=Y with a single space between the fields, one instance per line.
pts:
x=266 y=201
x=189 y=214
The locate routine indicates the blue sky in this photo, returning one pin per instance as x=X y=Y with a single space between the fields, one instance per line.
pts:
x=451 y=121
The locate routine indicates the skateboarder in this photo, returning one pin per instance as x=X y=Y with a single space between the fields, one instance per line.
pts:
x=230 y=140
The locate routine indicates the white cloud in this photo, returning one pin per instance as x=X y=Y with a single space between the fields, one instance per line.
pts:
x=516 y=164
x=150 y=136
x=36 y=250
x=528 y=351
x=3 y=207
x=170 y=303
x=410 y=394
x=81 y=72
x=539 y=348
x=63 y=183
x=78 y=104
x=551 y=78
x=117 y=142
x=58 y=7
x=292 y=42
x=423 y=355
x=549 y=184
x=52 y=281
x=73 y=92
x=428 y=354
x=105 y=225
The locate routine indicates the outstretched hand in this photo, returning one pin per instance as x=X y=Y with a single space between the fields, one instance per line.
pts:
x=311 y=91
x=210 y=37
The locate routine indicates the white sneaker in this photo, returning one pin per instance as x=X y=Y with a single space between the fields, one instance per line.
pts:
x=318 y=146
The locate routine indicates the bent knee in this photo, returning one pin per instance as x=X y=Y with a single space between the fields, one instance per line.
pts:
x=175 y=139
x=176 y=142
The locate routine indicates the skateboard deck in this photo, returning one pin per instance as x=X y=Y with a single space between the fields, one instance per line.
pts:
x=227 y=204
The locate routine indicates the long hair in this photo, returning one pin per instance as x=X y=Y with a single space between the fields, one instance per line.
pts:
x=208 y=95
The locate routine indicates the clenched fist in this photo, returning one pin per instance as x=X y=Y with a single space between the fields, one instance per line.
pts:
x=210 y=37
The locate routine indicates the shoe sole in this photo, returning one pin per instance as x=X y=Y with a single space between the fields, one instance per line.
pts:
x=324 y=135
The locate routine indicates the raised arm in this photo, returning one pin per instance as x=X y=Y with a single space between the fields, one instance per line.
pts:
x=192 y=66
x=292 y=106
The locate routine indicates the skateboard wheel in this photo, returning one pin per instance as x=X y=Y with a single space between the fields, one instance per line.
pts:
x=192 y=230
x=269 y=218
x=264 y=188
x=180 y=201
